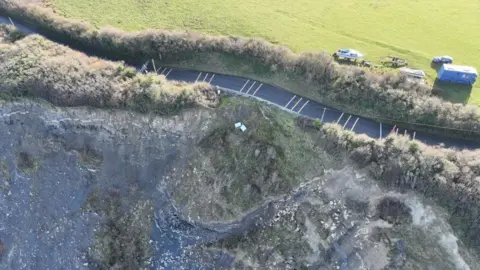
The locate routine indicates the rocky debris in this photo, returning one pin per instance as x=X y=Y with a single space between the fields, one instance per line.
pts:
x=313 y=231
x=231 y=172
x=119 y=189
x=399 y=257
x=62 y=214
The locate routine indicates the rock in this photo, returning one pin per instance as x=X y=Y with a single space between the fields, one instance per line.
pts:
x=131 y=192
x=271 y=153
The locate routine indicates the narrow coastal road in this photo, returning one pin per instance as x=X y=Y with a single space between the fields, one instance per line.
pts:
x=303 y=106
x=291 y=102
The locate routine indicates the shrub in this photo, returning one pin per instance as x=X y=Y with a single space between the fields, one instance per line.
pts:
x=40 y=68
x=413 y=147
x=373 y=95
x=348 y=88
x=10 y=33
x=317 y=123
x=451 y=177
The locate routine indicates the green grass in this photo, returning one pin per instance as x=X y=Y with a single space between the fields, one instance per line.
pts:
x=416 y=30
x=4 y=170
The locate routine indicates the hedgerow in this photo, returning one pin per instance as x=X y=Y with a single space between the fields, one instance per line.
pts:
x=34 y=66
x=451 y=177
x=348 y=88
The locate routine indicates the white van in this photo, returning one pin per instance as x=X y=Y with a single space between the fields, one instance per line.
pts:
x=348 y=54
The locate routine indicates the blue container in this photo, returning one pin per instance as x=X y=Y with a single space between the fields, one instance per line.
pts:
x=457 y=74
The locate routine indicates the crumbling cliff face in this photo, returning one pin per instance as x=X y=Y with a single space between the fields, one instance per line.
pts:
x=157 y=176
x=84 y=188
x=80 y=186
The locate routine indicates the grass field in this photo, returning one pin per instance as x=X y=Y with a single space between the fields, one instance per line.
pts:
x=417 y=30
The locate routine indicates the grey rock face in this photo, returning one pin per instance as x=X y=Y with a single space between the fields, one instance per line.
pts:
x=93 y=189
x=61 y=167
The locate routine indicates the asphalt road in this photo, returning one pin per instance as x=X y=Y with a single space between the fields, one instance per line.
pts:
x=305 y=107
x=294 y=103
x=17 y=25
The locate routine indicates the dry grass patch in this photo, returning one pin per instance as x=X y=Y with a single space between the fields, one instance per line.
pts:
x=37 y=67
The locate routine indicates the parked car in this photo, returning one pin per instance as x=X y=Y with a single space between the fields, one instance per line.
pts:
x=413 y=74
x=442 y=59
x=348 y=54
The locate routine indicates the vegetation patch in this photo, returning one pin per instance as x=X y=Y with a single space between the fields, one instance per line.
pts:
x=88 y=156
x=5 y=176
x=4 y=171
x=449 y=176
x=36 y=67
x=10 y=33
x=123 y=242
x=3 y=248
x=27 y=162
x=394 y=211
x=231 y=171
x=388 y=96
